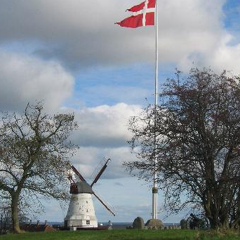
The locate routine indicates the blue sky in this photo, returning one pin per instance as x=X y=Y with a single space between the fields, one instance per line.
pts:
x=71 y=55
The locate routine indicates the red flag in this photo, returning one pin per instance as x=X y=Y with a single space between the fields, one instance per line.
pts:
x=143 y=15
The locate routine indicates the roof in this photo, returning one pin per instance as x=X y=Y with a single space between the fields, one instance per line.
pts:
x=37 y=228
x=84 y=187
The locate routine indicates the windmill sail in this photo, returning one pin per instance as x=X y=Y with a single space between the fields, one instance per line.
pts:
x=78 y=173
x=104 y=204
x=100 y=172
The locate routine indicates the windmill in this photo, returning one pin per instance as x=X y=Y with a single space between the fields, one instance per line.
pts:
x=81 y=212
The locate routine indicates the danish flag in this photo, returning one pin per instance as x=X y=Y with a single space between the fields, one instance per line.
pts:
x=143 y=15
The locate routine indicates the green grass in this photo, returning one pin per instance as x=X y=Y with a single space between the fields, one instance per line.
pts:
x=124 y=235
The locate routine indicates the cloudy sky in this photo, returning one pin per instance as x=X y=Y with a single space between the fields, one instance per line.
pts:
x=71 y=55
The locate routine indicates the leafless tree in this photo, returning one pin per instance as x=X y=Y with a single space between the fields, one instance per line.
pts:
x=195 y=136
x=34 y=155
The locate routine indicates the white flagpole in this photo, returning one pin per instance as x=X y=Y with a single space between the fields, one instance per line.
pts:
x=155 y=185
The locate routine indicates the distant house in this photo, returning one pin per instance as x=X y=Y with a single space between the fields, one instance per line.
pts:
x=37 y=227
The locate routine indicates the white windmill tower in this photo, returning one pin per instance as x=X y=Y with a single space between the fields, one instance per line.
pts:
x=81 y=212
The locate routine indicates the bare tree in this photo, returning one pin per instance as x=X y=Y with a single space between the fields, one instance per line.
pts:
x=34 y=153
x=195 y=135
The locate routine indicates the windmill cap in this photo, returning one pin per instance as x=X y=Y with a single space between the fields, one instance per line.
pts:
x=84 y=187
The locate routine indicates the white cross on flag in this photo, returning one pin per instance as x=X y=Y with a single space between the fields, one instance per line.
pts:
x=143 y=15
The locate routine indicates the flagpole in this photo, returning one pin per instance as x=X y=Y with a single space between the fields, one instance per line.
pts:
x=142 y=12
x=155 y=185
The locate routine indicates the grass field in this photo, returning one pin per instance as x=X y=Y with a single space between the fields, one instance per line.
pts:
x=124 y=235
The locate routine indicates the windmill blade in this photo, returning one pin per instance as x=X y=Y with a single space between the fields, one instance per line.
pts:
x=105 y=205
x=100 y=172
x=78 y=174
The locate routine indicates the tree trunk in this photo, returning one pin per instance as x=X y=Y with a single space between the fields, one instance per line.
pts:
x=15 y=215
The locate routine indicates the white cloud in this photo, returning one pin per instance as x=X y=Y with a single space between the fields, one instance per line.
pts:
x=226 y=56
x=81 y=34
x=26 y=79
x=103 y=133
x=191 y=31
x=89 y=161
x=104 y=126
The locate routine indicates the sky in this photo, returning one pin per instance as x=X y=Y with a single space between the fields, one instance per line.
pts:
x=71 y=55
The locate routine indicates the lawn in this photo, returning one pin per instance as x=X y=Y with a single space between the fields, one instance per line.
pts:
x=124 y=235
